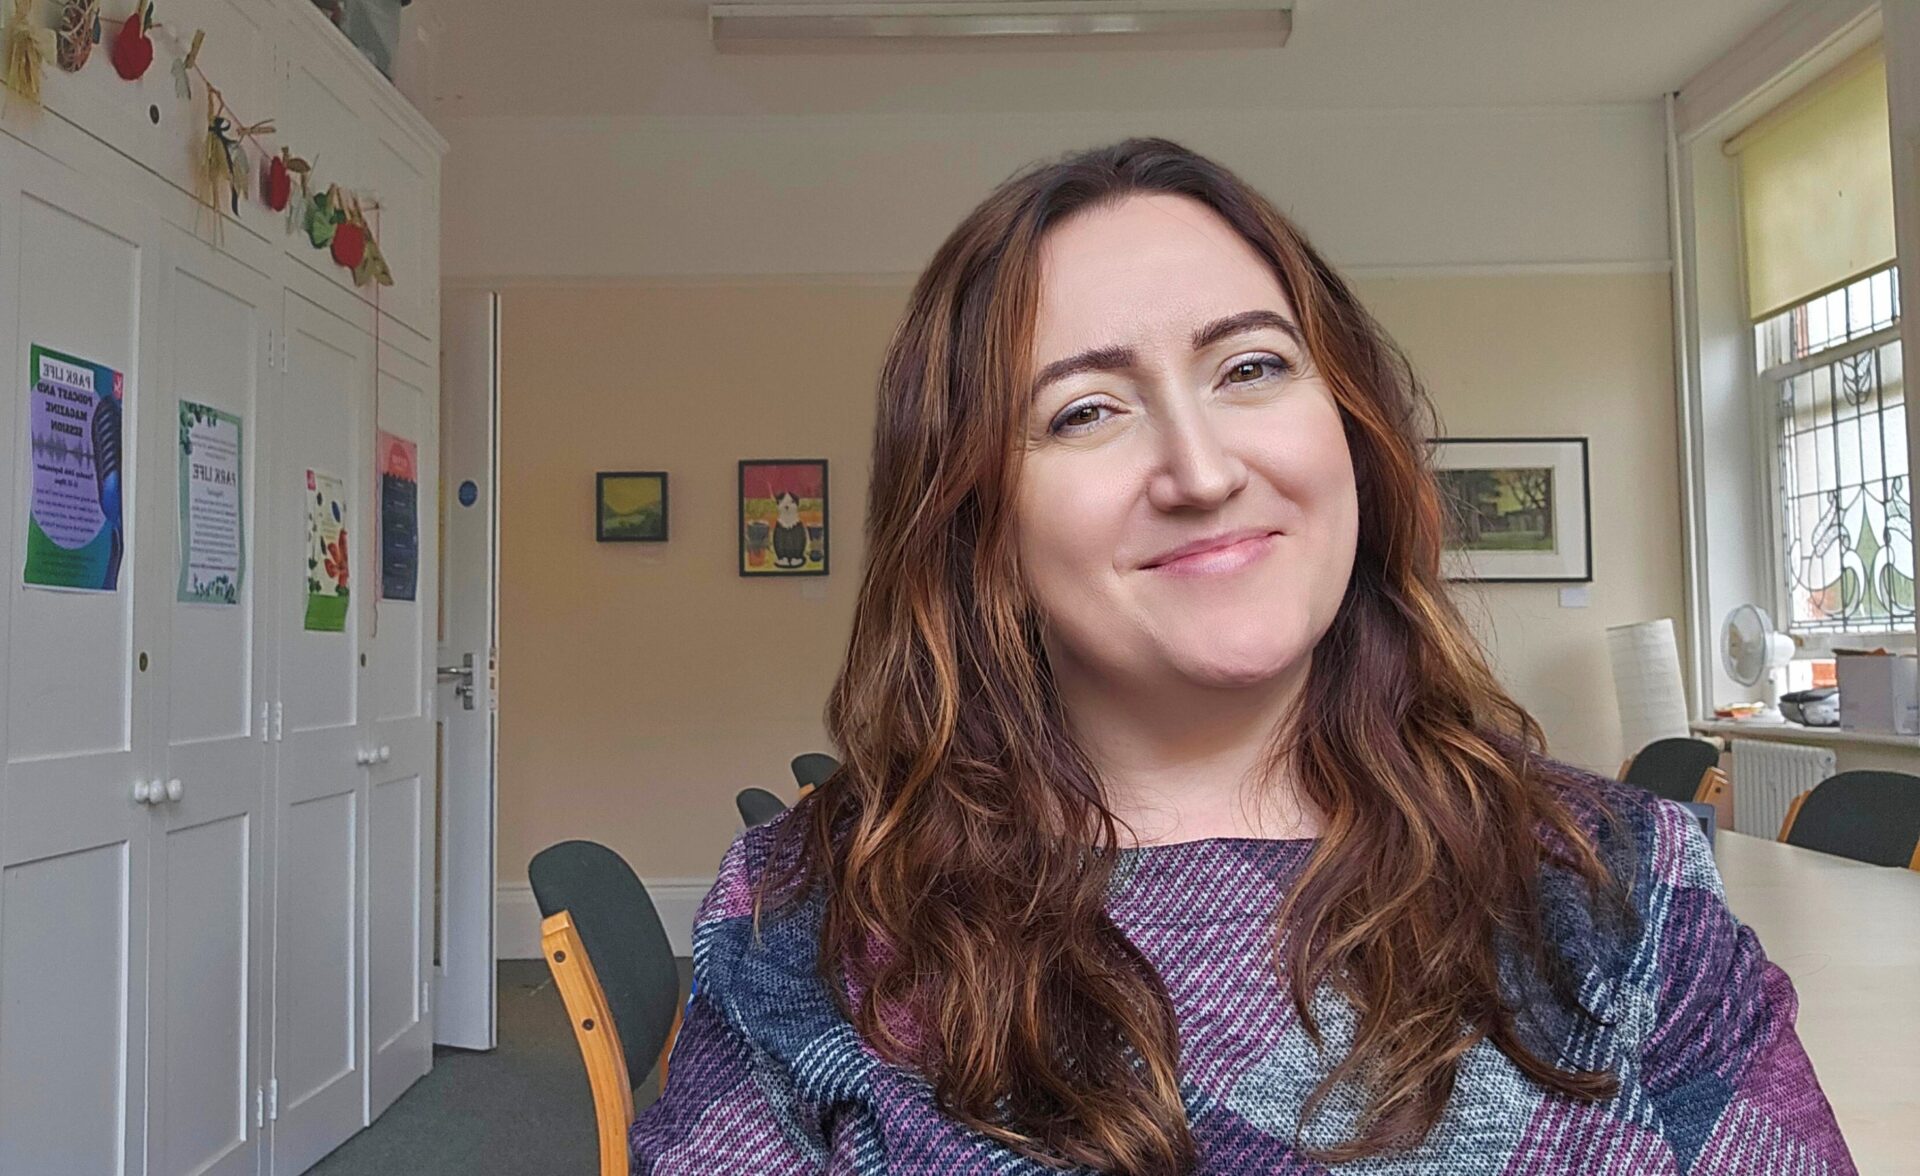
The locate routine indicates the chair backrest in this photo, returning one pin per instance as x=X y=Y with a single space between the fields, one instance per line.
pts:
x=1870 y=816
x=758 y=806
x=812 y=769
x=1672 y=768
x=623 y=936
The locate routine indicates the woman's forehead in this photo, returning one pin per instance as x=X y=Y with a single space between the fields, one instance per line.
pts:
x=1148 y=266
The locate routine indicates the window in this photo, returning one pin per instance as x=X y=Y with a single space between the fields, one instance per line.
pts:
x=1823 y=298
x=1830 y=366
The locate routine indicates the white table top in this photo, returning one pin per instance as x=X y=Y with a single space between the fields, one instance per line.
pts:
x=1849 y=936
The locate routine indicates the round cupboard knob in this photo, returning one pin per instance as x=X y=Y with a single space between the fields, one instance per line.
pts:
x=175 y=790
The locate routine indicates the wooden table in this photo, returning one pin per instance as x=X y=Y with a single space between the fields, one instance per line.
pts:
x=1849 y=936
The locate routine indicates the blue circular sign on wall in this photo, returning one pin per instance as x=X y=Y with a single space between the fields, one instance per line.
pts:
x=469 y=493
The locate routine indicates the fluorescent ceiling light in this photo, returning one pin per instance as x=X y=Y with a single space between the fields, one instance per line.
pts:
x=801 y=20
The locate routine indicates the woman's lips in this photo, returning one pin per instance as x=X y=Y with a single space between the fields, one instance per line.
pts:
x=1227 y=555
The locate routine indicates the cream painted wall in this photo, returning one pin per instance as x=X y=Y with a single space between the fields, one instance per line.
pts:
x=642 y=685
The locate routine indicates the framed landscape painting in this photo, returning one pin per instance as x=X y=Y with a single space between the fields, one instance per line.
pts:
x=783 y=517
x=630 y=506
x=1517 y=508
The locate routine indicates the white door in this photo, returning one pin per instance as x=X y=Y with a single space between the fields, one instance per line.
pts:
x=320 y=457
x=209 y=896
x=469 y=400
x=399 y=689
x=81 y=281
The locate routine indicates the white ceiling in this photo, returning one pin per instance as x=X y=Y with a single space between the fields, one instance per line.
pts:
x=652 y=57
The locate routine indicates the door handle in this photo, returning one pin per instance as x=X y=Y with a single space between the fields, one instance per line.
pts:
x=462 y=676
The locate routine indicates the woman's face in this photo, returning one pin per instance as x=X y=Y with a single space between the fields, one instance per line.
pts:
x=1187 y=508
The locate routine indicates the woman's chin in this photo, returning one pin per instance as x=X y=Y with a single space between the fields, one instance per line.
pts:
x=1248 y=669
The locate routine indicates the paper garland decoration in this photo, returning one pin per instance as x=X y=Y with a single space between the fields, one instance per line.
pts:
x=223 y=164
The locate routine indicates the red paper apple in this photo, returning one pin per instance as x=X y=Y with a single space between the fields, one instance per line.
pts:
x=132 y=48
x=279 y=187
x=349 y=244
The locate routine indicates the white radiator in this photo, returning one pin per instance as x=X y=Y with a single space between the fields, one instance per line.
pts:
x=1767 y=775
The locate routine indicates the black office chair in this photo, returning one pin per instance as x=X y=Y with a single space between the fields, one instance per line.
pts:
x=1870 y=816
x=758 y=806
x=1677 y=769
x=592 y=888
x=812 y=769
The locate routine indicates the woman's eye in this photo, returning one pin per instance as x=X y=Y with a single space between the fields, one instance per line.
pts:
x=1079 y=418
x=1253 y=369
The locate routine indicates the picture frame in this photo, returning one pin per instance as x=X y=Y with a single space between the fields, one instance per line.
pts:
x=1519 y=509
x=630 y=506
x=783 y=522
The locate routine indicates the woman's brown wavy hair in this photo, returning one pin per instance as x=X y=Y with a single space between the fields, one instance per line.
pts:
x=963 y=852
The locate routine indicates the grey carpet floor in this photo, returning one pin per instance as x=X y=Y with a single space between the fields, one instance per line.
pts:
x=522 y=1109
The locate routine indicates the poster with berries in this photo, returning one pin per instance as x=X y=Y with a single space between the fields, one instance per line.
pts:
x=326 y=553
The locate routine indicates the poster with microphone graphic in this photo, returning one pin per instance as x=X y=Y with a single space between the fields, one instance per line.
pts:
x=75 y=538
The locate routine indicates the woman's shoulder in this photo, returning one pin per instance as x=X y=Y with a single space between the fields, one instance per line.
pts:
x=1651 y=838
x=750 y=923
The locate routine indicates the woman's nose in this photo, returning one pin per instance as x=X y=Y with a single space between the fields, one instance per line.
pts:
x=1198 y=469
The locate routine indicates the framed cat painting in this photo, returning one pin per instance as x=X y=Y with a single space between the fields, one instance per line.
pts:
x=783 y=517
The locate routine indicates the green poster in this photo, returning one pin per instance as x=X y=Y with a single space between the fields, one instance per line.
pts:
x=212 y=507
x=326 y=553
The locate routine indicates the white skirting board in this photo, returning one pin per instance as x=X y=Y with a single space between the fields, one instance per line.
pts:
x=517 y=933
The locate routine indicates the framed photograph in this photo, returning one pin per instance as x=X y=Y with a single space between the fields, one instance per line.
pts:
x=783 y=517
x=630 y=506
x=1517 y=508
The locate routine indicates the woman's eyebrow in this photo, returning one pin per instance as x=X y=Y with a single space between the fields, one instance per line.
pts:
x=1110 y=359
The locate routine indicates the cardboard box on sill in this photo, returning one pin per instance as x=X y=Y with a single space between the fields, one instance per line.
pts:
x=1879 y=690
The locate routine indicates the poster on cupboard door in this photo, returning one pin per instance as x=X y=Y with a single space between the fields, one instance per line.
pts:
x=74 y=535
x=326 y=553
x=399 y=518
x=212 y=515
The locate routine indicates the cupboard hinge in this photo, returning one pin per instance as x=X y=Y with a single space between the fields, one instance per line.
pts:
x=426 y=997
x=279 y=714
x=259 y=1107
x=266 y=715
x=273 y=1100
x=273 y=360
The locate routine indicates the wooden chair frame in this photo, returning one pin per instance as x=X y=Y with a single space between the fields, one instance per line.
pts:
x=1715 y=788
x=598 y=1038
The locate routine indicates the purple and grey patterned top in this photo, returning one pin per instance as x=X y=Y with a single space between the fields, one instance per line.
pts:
x=769 y=1079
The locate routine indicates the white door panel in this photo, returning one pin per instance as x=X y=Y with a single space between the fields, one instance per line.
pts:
x=464 y=979
x=211 y=901
x=78 y=278
x=320 y=808
x=399 y=685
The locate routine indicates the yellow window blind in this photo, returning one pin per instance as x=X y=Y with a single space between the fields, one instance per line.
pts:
x=1816 y=187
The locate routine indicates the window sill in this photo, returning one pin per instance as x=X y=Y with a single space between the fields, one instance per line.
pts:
x=1797 y=733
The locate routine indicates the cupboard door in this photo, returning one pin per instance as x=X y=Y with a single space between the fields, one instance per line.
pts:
x=318 y=506
x=400 y=681
x=209 y=892
x=79 y=280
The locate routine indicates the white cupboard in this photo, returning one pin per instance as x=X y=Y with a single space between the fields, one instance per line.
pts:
x=216 y=822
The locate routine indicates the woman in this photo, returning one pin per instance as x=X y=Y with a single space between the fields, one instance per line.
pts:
x=1182 y=828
